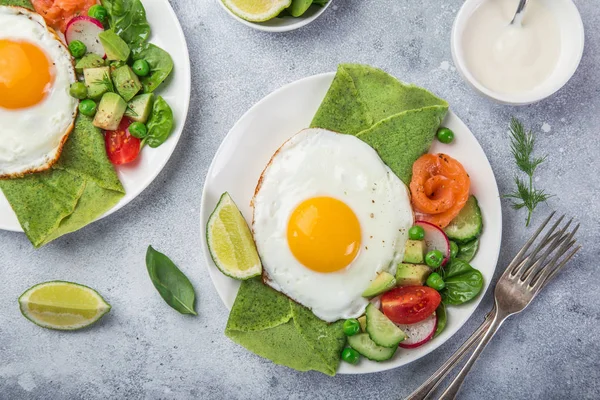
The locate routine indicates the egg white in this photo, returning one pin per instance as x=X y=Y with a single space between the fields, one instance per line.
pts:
x=31 y=139
x=317 y=162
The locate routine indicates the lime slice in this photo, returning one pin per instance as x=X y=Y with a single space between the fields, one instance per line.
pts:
x=257 y=10
x=230 y=241
x=62 y=305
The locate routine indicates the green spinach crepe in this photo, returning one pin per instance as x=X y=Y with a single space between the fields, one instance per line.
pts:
x=399 y=121
x=79 y=188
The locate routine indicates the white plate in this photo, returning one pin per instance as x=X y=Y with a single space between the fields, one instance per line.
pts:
x=282 y=24
x=266 y=126
x=166 y=33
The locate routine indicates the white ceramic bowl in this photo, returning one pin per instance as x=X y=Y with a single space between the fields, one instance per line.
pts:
x=572 y=38
x=282 y=24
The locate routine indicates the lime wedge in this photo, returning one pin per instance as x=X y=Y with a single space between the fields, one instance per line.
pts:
x=257 y=10
x=62 y=305
x=230 y=241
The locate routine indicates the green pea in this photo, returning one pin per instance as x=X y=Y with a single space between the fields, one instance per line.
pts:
x=87 y=107
x=351 y=327
x=77 y=48
x=78 y=90
x=435 y=281
x=453 y=249
x=434 y=258
x=445 y=135
x=138 y=130
x=141 y=67
x=350 y=355
x=416 y=233
x=98 y=12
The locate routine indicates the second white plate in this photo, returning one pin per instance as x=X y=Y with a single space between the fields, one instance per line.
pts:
x=135 y=177
x=252 y=141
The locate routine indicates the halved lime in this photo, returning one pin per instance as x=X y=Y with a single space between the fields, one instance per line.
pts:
x=230 y=241
x=62 y=305
x=257 y=10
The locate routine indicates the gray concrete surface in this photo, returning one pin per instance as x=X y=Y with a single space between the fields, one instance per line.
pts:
x=145 y=350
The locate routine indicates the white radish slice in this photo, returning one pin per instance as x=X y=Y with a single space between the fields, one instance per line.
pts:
x=419 y=333
x=86 y=30
x=436 y=239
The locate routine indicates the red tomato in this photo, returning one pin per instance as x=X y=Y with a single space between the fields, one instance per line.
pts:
x=410 y=304
x=121 y=147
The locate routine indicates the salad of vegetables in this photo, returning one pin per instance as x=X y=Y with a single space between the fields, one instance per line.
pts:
x=118 y=71
x=409 y=309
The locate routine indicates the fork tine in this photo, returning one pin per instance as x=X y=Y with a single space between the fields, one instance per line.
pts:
x=519 y=257
x=528 y=273
x=523 y=271
x=570 y=242
x=543 y=273
x=550 y=273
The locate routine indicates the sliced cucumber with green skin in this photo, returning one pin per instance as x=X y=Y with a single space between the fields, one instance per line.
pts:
x=381 y=330
x=468 y=223
x=368 y=348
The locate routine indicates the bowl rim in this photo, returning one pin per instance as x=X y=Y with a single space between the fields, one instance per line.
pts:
x=551 y=86
x=301 y=21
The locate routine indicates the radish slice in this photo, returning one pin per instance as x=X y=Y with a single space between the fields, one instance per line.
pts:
x=86 y=30
x=419 y=333
x=436 y=239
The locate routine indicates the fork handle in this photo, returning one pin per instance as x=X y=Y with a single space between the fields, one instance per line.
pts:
x=423 y=391
x=452 y=390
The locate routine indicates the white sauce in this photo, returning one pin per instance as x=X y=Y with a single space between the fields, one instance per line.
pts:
x=514 y=58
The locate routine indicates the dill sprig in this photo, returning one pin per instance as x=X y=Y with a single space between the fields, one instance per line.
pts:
x=526 y=195
x=106 y=82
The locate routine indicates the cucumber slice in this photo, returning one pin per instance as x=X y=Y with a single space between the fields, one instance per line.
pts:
x=468 y=223
x=381 y=330
x=365 y=346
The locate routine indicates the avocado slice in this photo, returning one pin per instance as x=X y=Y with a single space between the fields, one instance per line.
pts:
x=97 y=81
x=414 y=251
x=90 y=60
x=139 y=108
x=110 y=111
x=127 y=83
x=412 y=274
x=114 y=46
x=363 y=323
x=382 y=283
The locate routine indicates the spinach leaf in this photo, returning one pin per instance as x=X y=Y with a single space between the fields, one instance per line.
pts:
x=442 y=318
x=160 y=123
x=160 y=62
x=128 y=19
x=174 y=287
x=463 y=282
x=467 y=251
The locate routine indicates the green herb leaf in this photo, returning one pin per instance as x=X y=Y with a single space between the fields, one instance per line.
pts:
x=442 y=319
x=160 y=124
x=466 y=251
x=128 y=19
x=527 y=196
x=463 y=282
x=174 y=287
x=106 y=82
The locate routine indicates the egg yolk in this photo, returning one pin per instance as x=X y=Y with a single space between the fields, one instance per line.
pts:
x=324 y=234
x=26 y=74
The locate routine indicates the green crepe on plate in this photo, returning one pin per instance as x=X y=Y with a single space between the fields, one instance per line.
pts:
x=399 y=121
x=271 y=325
x=79 y=188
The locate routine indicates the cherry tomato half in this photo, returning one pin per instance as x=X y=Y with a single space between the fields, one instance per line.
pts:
x=121 y=147
x=410 y=304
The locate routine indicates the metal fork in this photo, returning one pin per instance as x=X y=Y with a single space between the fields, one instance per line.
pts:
x=527 y=274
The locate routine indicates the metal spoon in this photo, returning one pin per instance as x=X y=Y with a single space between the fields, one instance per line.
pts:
x=520 y=11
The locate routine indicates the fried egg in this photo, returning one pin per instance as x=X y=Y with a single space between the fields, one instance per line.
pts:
x=36 y=110
x=329 y=215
